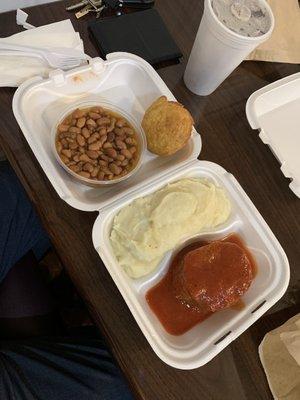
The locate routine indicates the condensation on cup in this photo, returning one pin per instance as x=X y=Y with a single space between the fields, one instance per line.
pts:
x=228 y=32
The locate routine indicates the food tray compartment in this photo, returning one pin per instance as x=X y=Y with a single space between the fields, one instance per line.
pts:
x=205 y=340
x=125 y=80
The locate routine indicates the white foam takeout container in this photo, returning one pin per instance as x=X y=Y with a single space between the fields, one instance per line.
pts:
x=132 y=84
x=274 y=111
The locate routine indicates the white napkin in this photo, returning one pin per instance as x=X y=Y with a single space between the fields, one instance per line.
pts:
x=16 y=69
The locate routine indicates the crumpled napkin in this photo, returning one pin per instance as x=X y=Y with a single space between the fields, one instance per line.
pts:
x=280 y=356
x=16 y=69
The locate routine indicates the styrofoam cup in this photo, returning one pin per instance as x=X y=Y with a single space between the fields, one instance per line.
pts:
x=217 y=51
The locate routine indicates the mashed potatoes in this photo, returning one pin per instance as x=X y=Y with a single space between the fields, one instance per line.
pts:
x=146 y=229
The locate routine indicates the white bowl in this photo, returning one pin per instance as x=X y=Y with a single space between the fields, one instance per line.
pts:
x=110 y=107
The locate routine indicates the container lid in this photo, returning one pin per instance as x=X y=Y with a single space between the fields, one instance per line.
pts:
x=274 y=110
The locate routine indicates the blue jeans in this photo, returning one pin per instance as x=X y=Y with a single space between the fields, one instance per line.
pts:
x=20 y=228
x=59 y=369
x=46 y=368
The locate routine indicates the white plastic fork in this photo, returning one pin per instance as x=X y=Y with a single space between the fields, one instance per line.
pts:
x=57 y=57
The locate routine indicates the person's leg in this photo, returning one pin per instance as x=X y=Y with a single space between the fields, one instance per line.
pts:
x=20 y=228
x=60 y=369
x=27 y=305
x=43 y=369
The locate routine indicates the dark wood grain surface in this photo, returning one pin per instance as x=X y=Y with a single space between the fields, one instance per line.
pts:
x=236 y=373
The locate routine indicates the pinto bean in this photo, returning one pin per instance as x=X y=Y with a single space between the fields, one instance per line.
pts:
x=102 y=131
x=119 y=131
x=103 y=163
x=67 y=153
x=112 y=153
x=111 y=137
x=78 y=113
x=80 y=140
x=76 y=157
x=91 y=123
x=81 y=122
x=103 y=140
x=85 y=133
x=63 y=128
x=93 y=138
x=120 y=157
x=111 y=127
x=73 y=146
x=92 y=154
x=75 y=129
x=95 y=171
x=59 y=147
x=95 y=146
x=129 y=140
x=120 y=122
x=84 y=174
x=126 y=153
x=64 y=159
x=120 y=145
x=100 y=175
x=64 y=143
x=74 y=168
x=106 y=145
x=103 y=121
x=88 y=167
x=85 y=158
x=128 y=131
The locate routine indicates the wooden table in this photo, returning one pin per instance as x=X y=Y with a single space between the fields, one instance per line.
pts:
x=228 y=140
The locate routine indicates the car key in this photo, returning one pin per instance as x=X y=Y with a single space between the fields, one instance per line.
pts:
x=95 y=3
x=85 y=10
x=77 y=5
x=92 y=6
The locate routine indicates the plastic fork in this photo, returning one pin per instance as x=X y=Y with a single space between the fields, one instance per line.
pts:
x=56 y=57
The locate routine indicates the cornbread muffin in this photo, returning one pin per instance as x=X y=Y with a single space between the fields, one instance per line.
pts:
x=167 y=125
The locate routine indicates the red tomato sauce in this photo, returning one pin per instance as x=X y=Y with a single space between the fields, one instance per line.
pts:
x=176 y=316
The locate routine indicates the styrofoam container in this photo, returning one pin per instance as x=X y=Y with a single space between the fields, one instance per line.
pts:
x=130 y=82
x=207 y=339
x=274 y=110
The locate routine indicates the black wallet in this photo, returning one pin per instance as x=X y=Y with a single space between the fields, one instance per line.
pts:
x=142 y=33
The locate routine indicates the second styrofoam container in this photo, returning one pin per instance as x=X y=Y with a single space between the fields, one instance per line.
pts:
x=274 y=111
x=204 y=341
